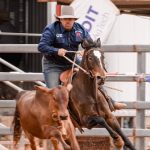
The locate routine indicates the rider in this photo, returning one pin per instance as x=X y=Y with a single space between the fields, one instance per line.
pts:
x=61 y=36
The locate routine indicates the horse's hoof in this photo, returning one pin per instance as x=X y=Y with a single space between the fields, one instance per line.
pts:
x=119 y=143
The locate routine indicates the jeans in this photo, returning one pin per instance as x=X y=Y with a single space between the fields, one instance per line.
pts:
x=51 y=72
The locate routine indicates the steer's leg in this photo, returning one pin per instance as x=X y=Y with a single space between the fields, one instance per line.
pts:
x=50 y=132
x=31 y=139
x=72 y=137
x=56 y=144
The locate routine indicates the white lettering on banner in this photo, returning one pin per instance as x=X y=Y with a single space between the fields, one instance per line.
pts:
x=89 y=18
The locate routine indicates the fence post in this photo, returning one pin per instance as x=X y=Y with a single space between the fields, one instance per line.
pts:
x=140 y=114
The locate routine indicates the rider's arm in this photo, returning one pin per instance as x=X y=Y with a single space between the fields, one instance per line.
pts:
x=46 y=43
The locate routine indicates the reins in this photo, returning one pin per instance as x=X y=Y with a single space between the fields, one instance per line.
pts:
x=86 y=72
x=73 y=68
x=73 y=62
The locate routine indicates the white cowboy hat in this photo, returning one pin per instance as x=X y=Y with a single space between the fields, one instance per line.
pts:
x=67 y=12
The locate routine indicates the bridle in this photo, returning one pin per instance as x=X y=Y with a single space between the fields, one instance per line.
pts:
x=87 y=66
x=87 y=70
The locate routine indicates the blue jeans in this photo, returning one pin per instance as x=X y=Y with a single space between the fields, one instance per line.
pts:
x=51 y=72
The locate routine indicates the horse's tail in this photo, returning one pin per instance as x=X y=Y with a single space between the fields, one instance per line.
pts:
x=17 y=129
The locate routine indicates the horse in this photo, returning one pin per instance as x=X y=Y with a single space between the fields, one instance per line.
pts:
x=88 y=105
x=43 y=113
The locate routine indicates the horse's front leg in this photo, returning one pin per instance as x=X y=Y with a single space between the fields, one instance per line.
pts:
x=55 y=135
x=97 y=120
x=113 y=123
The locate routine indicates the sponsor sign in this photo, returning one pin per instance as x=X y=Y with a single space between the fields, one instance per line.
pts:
x=97 y=16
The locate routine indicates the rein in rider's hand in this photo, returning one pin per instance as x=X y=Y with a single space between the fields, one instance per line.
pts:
x=62 y=52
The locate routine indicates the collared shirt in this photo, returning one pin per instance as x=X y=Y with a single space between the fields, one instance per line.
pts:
x=55 y=37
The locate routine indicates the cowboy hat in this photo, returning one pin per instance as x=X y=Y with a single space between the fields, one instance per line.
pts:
x=67 y=12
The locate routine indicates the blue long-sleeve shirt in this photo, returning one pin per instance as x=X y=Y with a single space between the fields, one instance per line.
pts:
x=55 y=37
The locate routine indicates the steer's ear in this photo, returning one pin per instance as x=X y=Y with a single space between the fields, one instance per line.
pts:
x=69 y=86
x=41 y=88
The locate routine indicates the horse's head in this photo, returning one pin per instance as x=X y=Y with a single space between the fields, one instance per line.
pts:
x=58 y=98
x=93 y=59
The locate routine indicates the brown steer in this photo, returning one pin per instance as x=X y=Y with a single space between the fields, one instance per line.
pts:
x=43 y=114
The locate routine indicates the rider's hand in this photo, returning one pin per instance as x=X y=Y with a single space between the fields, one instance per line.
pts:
x=62 y=52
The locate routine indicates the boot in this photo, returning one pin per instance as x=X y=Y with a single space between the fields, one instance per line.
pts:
x=118 y=105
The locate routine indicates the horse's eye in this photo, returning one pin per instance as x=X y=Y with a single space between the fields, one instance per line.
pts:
x=90 y=58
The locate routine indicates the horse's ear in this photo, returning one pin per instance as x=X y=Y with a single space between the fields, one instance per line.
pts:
x=98 y=42
x=85 y=44
x=41 y=88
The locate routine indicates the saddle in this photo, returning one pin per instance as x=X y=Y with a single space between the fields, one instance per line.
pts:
x=66 y=75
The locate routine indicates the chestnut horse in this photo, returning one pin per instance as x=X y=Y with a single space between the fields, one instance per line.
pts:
x=43 y=114
x=87 y=104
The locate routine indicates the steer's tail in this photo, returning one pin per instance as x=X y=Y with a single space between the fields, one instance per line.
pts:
x=17 y=129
